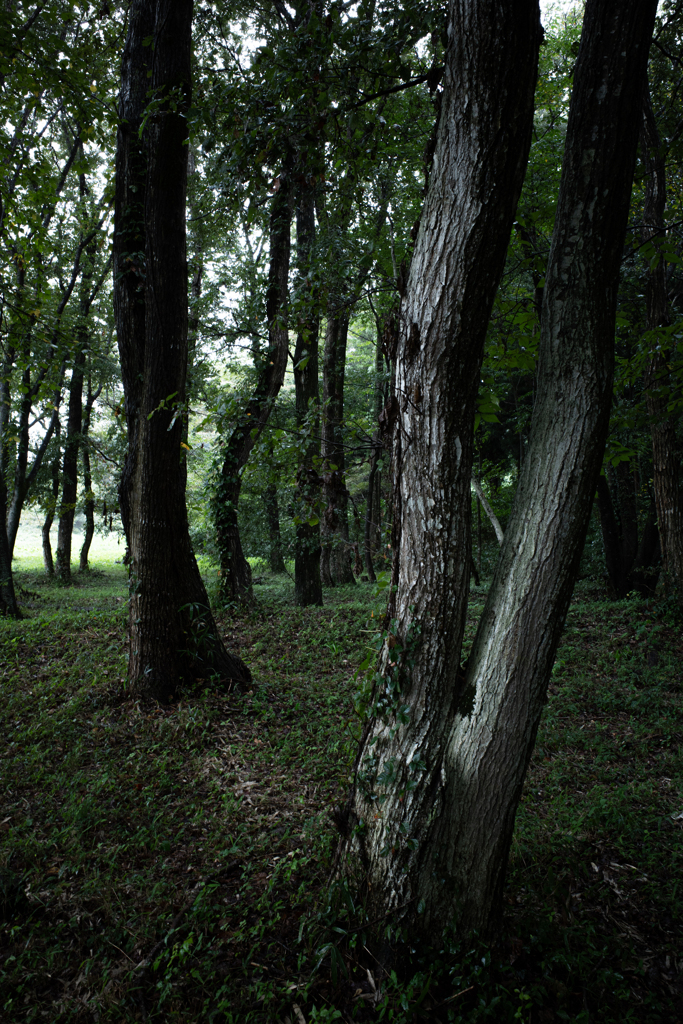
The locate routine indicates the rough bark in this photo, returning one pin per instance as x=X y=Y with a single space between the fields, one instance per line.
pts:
x=270 y=365
x=666 y=453
x=172 y=632
x=307 y=583
x=439 y=779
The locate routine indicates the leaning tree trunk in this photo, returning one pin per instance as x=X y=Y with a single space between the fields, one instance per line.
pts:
x=307 y=584
x=235 y=577
x=666 y=452
x=172 y=631
x=442 y=764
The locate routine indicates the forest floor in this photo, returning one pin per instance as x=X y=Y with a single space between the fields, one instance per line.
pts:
x=171 y=863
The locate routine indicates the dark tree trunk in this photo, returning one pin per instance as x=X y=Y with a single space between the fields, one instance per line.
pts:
x=371 y=509
x=307 y=584
x=74 y=424
x=48 y=561
x=630 y=564
x=8 y=600
x=336 y=561
x=67 y=510
x=89 y=498
x=271 y=365
x=275 y=560
x=438 y=784
x=24 y=474
x=666 y=448
x=172 y=631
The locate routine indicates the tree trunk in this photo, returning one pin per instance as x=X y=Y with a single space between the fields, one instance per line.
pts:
x=276 y=562
x=67 y=509
x=48 y=561
x=271 y=365
x=442 y=764
x=74 y=425
x=630 y=564
x=336 y=561
x=172 y=632
x=8 y=600
x=89 y=499
x=307 y=582
x=666 y=449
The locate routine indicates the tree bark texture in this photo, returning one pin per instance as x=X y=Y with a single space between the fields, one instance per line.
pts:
x=172 y=632
x=271 y=365
x=307 y=583
x=666 y=450
x=441 y=768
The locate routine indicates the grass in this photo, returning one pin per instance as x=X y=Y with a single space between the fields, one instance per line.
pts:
x=171 y=864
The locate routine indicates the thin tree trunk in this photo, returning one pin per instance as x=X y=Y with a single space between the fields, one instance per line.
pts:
x=271 y=365
x=370 y=510
x=439 y=778
x=8 y=600
x=275 y=560
x=336 y=564
x=48 y=561
x=74 y=424
x=89 y=499
x=483 y=501
x=666 y=449
x=172 y=632
x=67 y=509
x=307 y=581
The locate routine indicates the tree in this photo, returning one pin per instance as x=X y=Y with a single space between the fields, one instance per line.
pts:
x=667 y=477
x=172 y=631
x=443 y=758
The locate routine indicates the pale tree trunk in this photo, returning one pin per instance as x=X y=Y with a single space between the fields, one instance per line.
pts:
x=441 y=767
x=666 y=449
x=172 y=632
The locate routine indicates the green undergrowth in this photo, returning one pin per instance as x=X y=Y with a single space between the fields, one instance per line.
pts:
x=171 y=863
